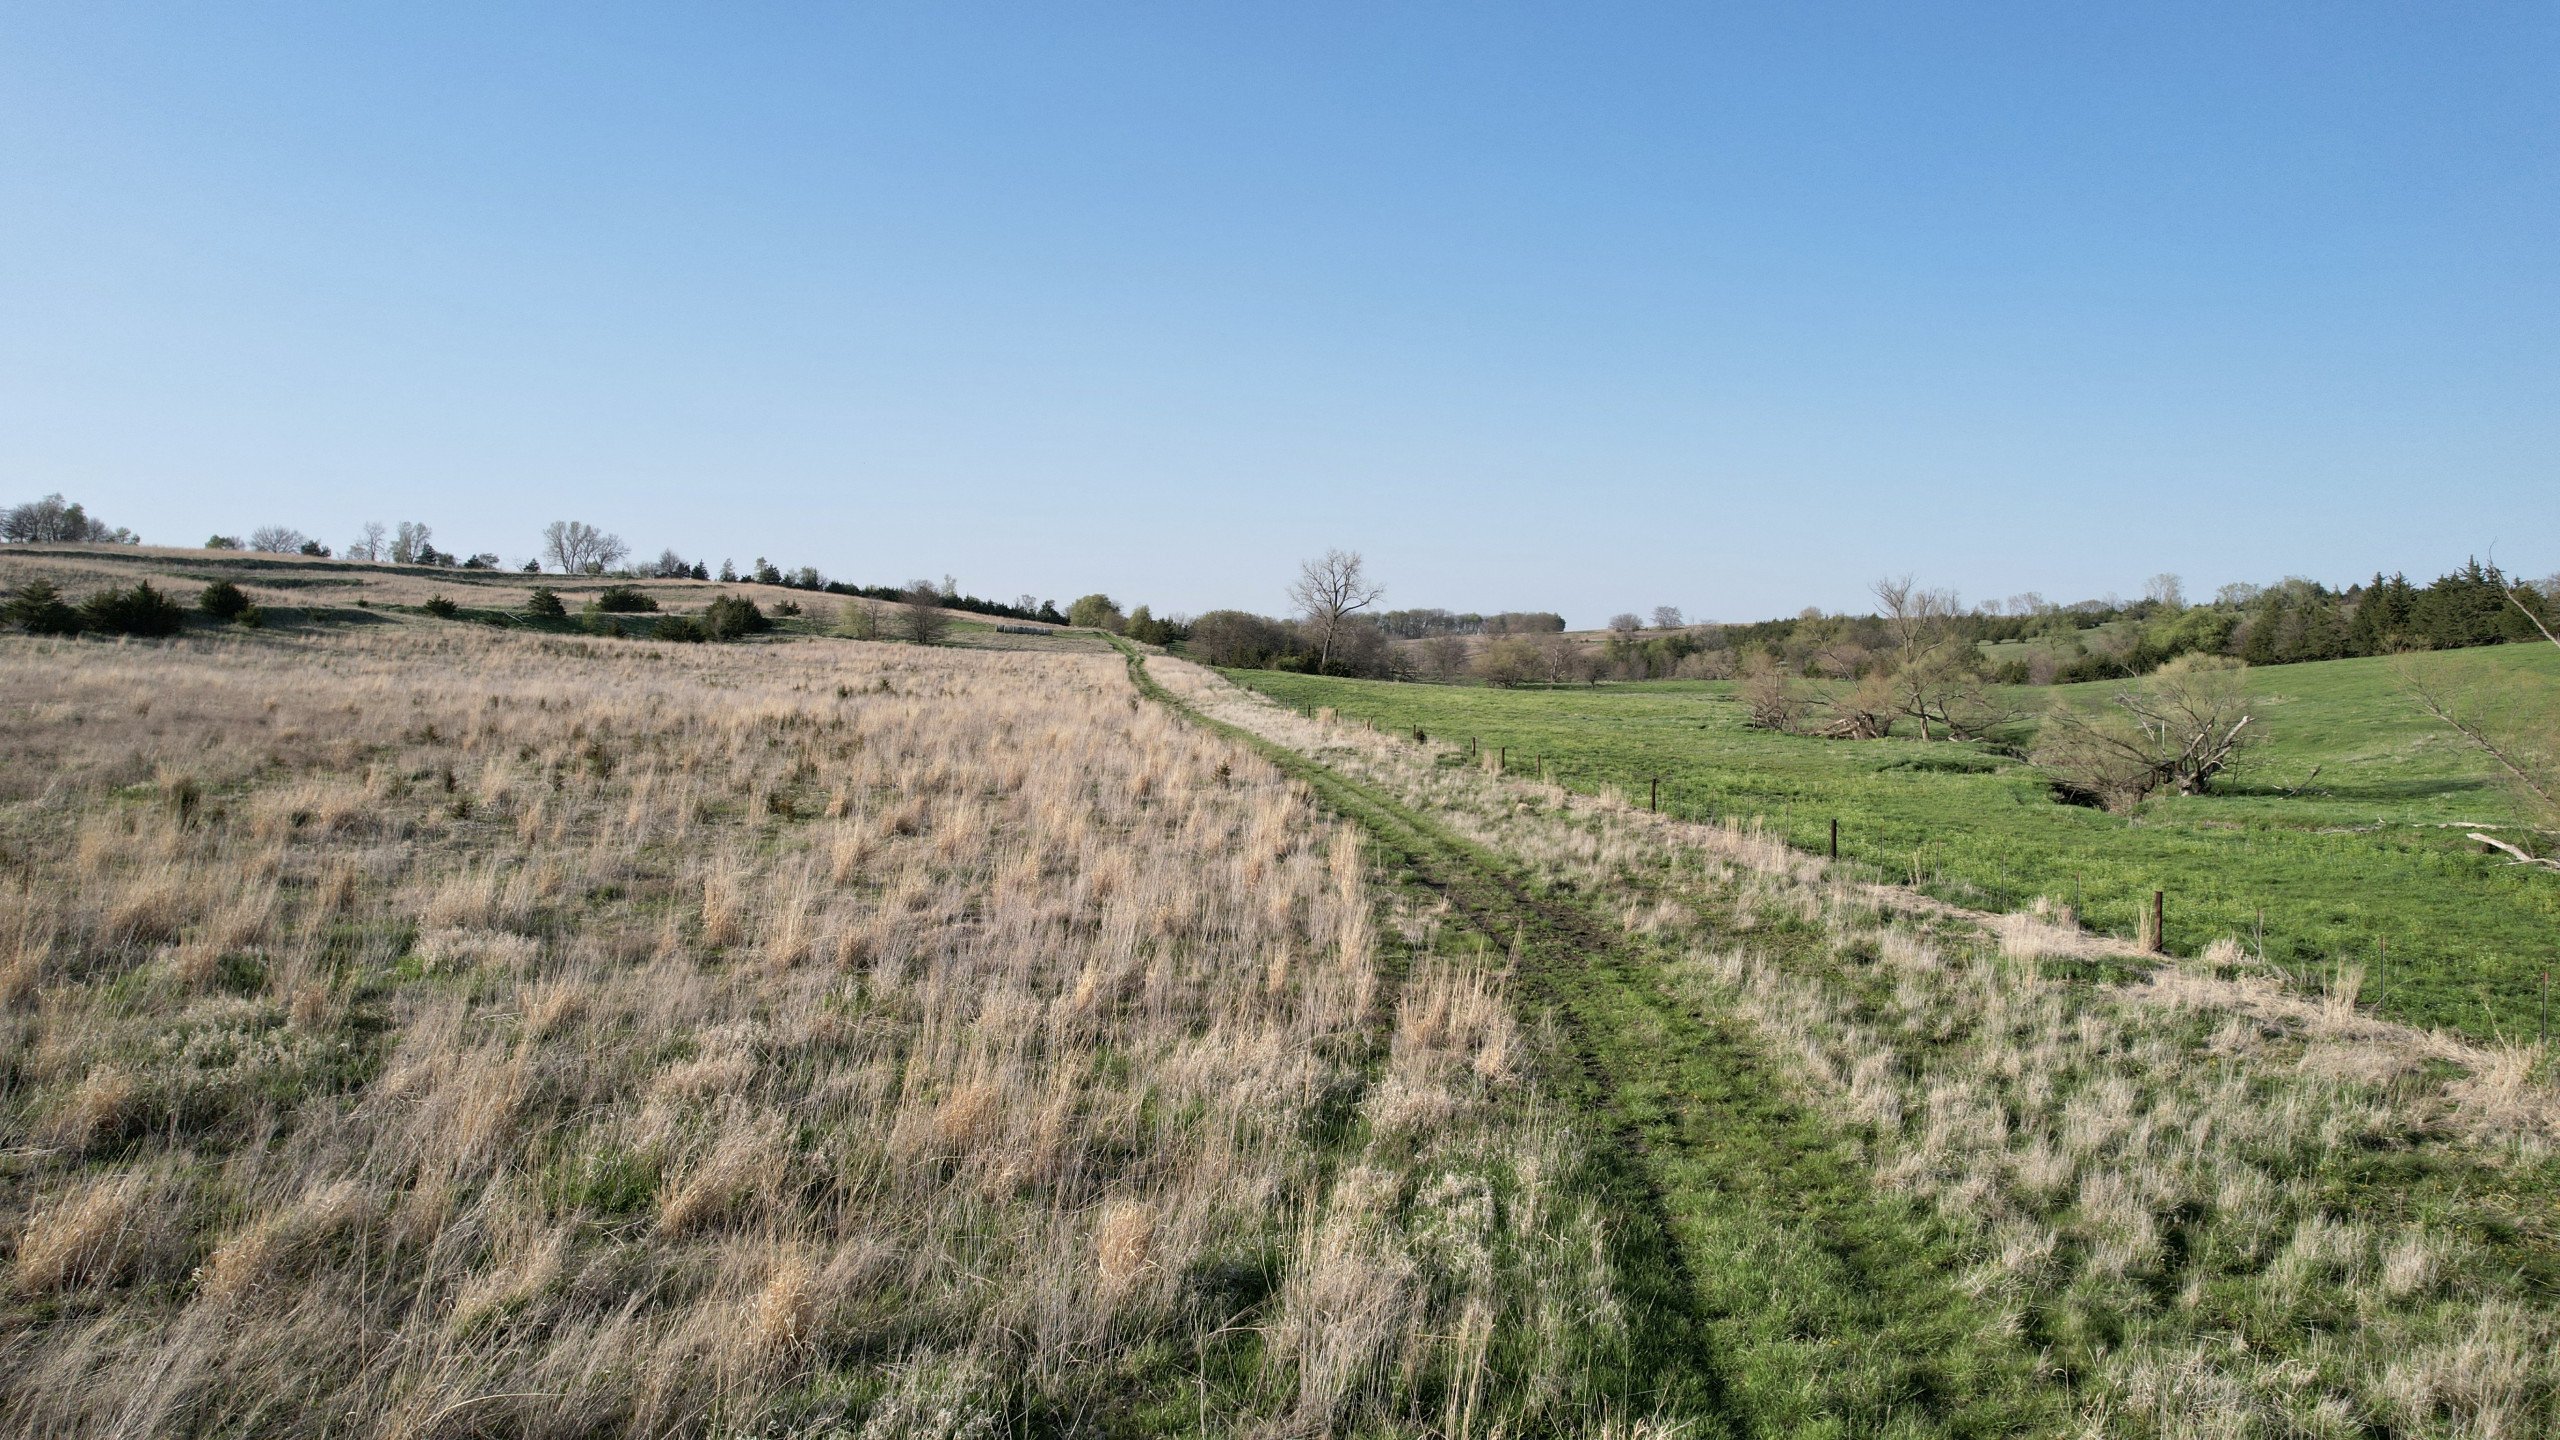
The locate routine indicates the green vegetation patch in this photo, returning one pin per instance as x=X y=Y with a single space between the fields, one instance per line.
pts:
x=2340 y=841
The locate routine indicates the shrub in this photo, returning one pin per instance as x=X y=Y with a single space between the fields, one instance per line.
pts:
x=2177 y=730
x=222 y=542
x=683 y=629
x=544 y=604
x=441 y=607
x=1510 y=660
x=1096 y=612
x=138 y=611
x=223 y=600
x=1236 y=638
x=787 y=607
x=39 y=609
x=622 y=600
x=252 y=617
x=732 y=616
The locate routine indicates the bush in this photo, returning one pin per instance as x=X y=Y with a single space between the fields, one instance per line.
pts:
x=683 y=629
x=544 y=604
x=441 y=607
x=138 y=611
x=1238 y=639
x=1096 y=612
x=252 y=617
x=2179 y=729
x=39 y=609
x=1511 y=660
x=732 y=616
x=787 y=608
x=223 y=600
x=622 y=600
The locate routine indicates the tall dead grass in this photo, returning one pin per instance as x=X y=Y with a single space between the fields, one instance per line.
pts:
x=553 y=1037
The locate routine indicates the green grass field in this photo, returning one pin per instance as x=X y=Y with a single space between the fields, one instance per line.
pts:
x=2366 y=855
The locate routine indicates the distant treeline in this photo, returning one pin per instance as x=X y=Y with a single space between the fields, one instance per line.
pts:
x=2286 y=623
x=1423 y=624
x=2030 y=641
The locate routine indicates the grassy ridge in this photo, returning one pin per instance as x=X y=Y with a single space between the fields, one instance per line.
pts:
x=2368 y=852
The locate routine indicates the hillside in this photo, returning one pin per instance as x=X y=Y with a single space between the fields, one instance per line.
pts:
x=307 y=591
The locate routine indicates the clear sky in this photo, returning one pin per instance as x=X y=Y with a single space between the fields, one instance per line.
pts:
x=1584 y=307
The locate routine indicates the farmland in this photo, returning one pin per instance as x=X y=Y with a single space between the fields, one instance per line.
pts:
x=2365 y=858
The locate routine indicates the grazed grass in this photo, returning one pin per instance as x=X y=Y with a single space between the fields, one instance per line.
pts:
x=2363 y=857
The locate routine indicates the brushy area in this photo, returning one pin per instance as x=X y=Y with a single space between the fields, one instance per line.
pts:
x=2204 y=1204
x=2341 y=839
x=436 y=1032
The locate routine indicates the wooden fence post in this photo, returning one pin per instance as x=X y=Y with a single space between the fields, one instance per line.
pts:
x=2159 y=925
x=1656 y=804
x=1835 y=839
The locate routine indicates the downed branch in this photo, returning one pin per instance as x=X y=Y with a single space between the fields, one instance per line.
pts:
x=2523 y=856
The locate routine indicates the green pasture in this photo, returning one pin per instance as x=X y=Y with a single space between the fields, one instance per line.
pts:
x=2340 y=839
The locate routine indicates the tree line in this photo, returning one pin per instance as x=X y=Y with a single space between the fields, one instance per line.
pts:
x=2292 y=621
x=570 y=547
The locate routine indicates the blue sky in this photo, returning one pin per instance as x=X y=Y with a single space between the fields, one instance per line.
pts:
x=1583 y=307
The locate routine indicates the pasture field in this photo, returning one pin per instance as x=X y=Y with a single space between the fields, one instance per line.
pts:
x=2319 y=873
x=1918 y=1171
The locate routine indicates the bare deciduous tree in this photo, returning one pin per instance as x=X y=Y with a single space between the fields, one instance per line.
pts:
x=368 y=544
x=2166 y=591
x=1444 y=657
x=51 y=521
x=2515 y=724
x=1625 y=622
x=579 y=548
x=1329 y=592
x=1666 y=617
x=921 y=614
x=409 y=542
x=1770 y=696
x=278 y=540
x=2179 y=727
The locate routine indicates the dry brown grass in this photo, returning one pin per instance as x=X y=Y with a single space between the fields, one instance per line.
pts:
x=563 y=1037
